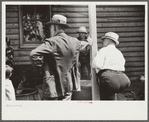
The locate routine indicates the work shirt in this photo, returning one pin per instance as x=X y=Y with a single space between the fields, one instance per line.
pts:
x=85 y=50
x=109 y=58
x=9 y=90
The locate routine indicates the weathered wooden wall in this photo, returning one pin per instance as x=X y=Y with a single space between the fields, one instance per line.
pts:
x=129 y=23
x=77 y=16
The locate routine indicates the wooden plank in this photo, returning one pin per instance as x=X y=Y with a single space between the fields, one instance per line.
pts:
x=74 y=30
x=22 y=58
x=121 y=19
x=119 y=8
x=21 y=53
x=131 y=49
x=132 y=59
x=129 y=39
x=121 y=29
x=12 y=20
x=129 y=54
x=14 y=42
x=120 y=14
x=12 y=14
x=22 y=63
x=12 y=31
x=13 y=36
x=132 y=69
x=8 y=9
x=70 y=8
x=122 y=24
x=73 y=15
x=11 y=6
x=12 y=26
x=135 y=64
x=15 y=47
x=126 y=34
x=125 y=44
x=72 y=20
x=135 y=73
x=131 y=44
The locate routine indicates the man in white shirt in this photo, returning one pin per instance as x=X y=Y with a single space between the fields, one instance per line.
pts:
x=110 y=65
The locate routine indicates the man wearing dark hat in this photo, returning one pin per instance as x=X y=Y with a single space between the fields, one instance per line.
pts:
x=58 y=57
x=110 y=65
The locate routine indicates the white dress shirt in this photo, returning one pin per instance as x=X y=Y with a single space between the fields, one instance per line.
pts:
x=109 y=58
x=9 y=90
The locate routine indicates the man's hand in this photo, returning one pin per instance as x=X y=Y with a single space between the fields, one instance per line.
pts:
x=89 y=40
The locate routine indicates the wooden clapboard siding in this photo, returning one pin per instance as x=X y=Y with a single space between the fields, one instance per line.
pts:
x=77 y=16
x=21 y=56
x=12 y=26
x=128 y=22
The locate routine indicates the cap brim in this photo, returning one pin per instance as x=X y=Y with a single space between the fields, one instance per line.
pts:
x=103 y=37
x=53 y=23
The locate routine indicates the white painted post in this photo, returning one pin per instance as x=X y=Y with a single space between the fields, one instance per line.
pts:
x=93 y=34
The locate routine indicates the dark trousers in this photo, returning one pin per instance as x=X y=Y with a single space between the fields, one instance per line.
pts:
x=112 y=82
x=83 y=73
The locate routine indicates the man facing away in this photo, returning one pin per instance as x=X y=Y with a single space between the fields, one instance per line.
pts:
x=110 y=65
x=58 y=58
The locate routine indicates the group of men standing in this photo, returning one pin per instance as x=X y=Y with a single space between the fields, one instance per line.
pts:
x=58 y=59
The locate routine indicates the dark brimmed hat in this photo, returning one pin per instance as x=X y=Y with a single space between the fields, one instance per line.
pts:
x=58 y=20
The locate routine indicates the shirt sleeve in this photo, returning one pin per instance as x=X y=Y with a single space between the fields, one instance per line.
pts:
x=98 y=60
x=37 y=55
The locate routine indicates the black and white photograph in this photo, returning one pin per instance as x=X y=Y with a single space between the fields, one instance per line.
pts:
x=74 y=60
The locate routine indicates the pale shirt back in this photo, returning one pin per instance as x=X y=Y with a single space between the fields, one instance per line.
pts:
x=9 y=90
x=109 y=58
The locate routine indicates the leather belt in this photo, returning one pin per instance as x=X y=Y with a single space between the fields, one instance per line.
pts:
x=104 y=70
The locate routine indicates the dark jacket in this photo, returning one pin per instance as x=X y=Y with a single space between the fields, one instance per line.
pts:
x=58 y=56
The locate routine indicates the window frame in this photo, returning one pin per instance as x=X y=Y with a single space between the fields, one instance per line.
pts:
x=28 y=45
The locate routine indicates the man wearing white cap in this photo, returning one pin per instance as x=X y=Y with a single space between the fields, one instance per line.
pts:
x=58 y=56
x=110 y=65
x=84 y=57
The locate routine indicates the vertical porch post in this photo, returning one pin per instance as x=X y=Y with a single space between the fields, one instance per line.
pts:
x=93 y=34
